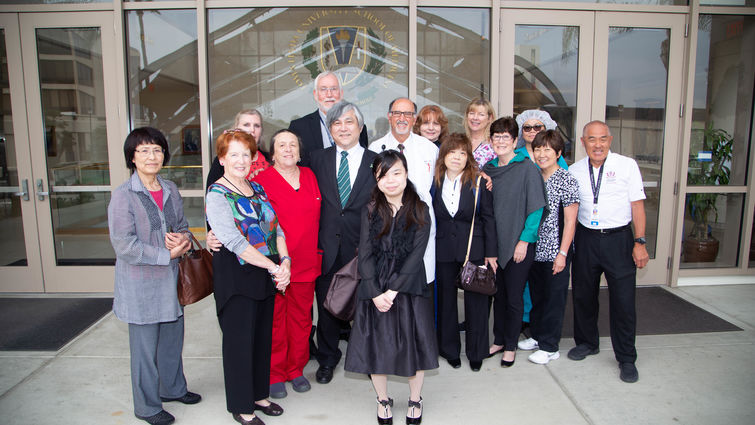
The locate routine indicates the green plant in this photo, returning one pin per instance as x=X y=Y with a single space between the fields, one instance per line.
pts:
x=711 y=172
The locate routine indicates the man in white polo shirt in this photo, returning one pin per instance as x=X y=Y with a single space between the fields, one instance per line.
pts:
x=420 y=156
x=611 y=197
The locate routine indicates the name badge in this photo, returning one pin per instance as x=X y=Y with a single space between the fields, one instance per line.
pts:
x=594 y=220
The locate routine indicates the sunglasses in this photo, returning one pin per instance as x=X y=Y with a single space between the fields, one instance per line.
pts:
x=528 y=128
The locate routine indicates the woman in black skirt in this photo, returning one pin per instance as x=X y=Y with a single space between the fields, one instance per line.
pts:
x=393 y=327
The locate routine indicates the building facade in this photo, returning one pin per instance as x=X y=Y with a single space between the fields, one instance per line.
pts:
x=674 y=81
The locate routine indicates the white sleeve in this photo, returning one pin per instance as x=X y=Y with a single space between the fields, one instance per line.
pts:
x=635 y=186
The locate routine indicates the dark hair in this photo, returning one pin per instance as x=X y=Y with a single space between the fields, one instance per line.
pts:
x=549 y=138
x=226 y=137
x=413 y=208
x=505 y=125
x=144 y=136
x=424 y=115
x=272 y=143
x=452 y=142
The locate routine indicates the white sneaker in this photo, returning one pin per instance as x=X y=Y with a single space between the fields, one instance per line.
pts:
x=543 y=357
x=528 y=344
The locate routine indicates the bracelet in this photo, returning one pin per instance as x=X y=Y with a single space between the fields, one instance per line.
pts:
x=284 y=258
x=561 y=251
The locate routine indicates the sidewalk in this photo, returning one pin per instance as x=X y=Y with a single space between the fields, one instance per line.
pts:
x=684 y=379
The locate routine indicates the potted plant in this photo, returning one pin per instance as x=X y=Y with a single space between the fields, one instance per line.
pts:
x=709 y=169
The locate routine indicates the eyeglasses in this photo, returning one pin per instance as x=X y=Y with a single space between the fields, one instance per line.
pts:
x=398 y=114
x=501 y=138
x=528 y=128
x=329 y=89
x=148 y=152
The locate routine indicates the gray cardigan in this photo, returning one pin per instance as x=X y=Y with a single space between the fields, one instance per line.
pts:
x=145 y=276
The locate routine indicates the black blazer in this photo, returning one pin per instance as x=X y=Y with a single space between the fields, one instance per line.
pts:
x=452 y=233
x=308 y=128
x=339 y=227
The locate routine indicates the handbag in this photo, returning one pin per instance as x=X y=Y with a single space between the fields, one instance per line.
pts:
x=341 y=299
x=194 y=274
x=474 y=278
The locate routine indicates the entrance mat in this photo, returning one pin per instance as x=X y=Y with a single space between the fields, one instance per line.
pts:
x=659 y=312
x=47 y=324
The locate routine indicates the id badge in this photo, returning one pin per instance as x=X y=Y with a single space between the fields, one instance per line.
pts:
x=594 y=220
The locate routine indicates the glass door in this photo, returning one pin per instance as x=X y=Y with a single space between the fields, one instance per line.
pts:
x=637 y=92
x=74 y=139
x=20 y=263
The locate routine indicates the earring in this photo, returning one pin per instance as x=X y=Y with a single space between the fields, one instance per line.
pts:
x=222 y=165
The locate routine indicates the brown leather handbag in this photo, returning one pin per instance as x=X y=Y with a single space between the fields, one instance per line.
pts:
x=480 y=279
x=341 y=300
x=194 y=274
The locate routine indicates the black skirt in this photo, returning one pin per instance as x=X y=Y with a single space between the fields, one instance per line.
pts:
x=399 y=342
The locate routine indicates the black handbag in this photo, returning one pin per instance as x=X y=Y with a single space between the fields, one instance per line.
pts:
x=474 y=278
x=194 y=274
x=341 y=299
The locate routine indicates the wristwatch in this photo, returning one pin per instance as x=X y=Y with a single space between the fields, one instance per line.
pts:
x=562 y=252
x=640 y=240
x=284 y=258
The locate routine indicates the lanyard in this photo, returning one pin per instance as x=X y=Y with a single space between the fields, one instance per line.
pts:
x=327 y=130
x=595 y=187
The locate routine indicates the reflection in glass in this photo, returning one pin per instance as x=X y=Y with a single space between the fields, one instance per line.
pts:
x=194 y=213
x=267 y=58
x=76 y=143
x=637 y=2
x=12 y=244
x=163 y=86
x=752 y=244
x=545 y=75
x=636 y=107
x=453 y=59
x=722 y=112
x=711 y=233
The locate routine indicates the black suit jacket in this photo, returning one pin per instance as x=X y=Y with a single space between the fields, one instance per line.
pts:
x=308 y=128
x=339 y=227
x=452 y=233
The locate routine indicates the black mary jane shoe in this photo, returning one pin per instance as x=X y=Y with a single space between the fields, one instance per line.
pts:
x=273 y=409
x=254 y=421
x=415 y=405
x=386 y=404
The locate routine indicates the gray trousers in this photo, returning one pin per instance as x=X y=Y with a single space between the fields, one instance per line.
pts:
x=156 y=364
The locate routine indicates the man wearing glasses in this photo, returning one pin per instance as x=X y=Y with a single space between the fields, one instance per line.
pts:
x=311 y=128
x=420 y=156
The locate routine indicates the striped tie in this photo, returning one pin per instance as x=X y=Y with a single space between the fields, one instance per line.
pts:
x=344 y=180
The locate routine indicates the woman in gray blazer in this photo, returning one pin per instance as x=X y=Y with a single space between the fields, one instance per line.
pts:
x=148 y=233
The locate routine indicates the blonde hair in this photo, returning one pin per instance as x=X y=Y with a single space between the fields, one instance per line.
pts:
x=487 y=106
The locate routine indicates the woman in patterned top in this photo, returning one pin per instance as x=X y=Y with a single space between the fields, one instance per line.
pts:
x=549 y=275
x=250 y=266
x=480 y=114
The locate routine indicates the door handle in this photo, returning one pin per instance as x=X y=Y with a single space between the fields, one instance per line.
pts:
x=24 y=193
x=41 y=190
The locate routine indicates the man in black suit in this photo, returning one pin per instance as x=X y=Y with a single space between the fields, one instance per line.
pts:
x=311 y=128
x=340 y=216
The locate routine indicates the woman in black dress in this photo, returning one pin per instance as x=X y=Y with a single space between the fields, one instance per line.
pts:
x=393 y=327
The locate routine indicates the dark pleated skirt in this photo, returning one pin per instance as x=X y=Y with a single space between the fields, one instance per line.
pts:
x=399 y=342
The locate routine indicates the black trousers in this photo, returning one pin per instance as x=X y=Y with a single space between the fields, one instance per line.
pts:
x=549 y=294
x=247 y=327
x=508 y=304
x=475 y=316
x=328 y=326
x=610 y=253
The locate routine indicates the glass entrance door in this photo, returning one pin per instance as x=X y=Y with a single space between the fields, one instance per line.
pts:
x=73 y=139
x=582 y=66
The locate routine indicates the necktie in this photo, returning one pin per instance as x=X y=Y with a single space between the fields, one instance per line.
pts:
x=344 y=180
x=401 y=147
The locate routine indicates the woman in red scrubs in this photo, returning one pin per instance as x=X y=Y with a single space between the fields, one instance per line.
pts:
x=295 y=196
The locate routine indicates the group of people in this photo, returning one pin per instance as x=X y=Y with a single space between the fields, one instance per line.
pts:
x=282 y=223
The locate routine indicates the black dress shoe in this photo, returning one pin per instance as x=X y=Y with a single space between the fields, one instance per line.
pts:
x=160 y=418
x=475 y=365
x=495 y=352
x=507 y=363
x=388 y=420
x=188 y=398
x=324 y=374
x=254 y=421
x=273 y=409
x=415 y=405
x=455 y=363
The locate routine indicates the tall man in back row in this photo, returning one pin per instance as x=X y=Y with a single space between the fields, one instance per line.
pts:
x=611 y=197
x=315 y=135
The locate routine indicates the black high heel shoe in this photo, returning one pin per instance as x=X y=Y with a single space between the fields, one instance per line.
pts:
x=415 y=405
x=508 y=363
x=386 y=404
